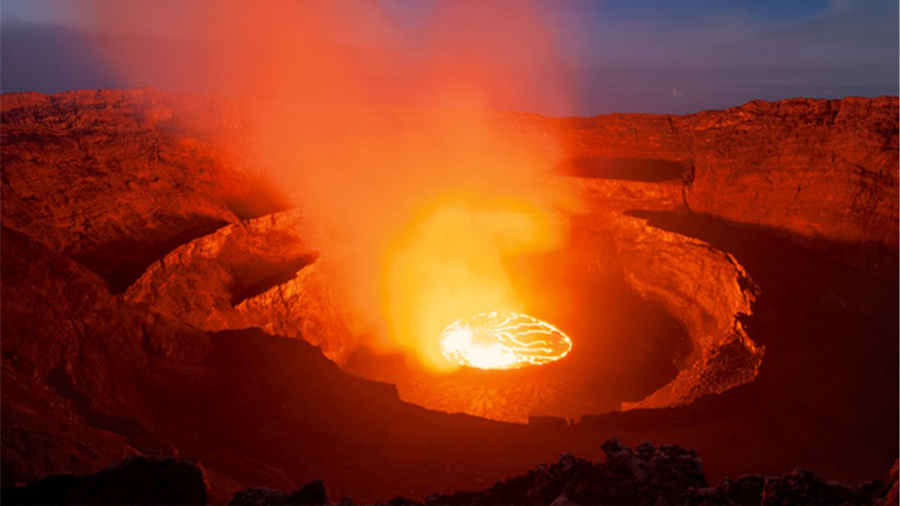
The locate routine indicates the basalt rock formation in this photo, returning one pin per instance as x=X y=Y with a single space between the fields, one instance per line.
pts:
x=666 y=474
x=648 y=474
x=139 y=241
x=135 y=480
x=311 y=494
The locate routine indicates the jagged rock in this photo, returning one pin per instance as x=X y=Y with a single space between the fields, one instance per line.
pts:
x=746 y=489
x=401 y=501
x=892 y=485
x=77 y=366
x=649 y=474
x=271 y=273
x=136 y=480
x=311 y=494
x=802 y=486
x=259 y=496
x=654 y=475
x=818 y=168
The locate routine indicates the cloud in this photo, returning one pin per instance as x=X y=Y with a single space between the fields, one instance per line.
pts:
x=678 y=96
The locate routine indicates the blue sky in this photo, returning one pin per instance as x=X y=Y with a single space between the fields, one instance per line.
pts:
x=654 y=56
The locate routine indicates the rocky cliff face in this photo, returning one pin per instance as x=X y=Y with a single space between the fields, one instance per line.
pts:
x=817 y=168
x=271 y=273
x=115 y=179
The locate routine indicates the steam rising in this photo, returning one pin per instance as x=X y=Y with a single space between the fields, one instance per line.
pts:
x=392 y=145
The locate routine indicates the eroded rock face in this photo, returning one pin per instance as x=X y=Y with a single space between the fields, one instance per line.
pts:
x=271 y=273
x=706 y=289
x=78 y=365
x=709 y=292
x=115 y=179
x=817 y=168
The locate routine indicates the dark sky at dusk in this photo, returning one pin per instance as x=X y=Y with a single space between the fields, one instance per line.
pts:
x=653 y=56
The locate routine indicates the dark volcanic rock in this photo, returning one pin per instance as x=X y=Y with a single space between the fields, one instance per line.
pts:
x=799 y=487
x=802 y=486
x=136 y=480
x=311 y=494
x=892 y=498
x=648 y=475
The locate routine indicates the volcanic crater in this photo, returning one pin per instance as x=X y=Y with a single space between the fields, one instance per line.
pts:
x=139 y=237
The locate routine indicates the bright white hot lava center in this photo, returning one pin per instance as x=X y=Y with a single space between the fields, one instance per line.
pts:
x=503 y=340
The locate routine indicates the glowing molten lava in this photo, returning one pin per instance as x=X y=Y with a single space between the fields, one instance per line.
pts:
x=503 y=341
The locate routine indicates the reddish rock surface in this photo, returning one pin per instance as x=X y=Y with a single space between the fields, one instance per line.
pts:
x=115 y=178
x=101 y=189
x=817 y=168
x=268 y=273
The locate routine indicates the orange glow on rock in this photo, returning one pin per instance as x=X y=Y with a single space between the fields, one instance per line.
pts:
x=503 y=341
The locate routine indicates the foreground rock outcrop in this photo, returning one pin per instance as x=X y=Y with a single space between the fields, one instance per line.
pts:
x=667 y=474
x=311 y=494
x=648 y=474
x=136 y=480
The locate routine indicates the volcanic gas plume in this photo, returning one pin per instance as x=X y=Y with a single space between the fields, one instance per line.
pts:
x=430 y=202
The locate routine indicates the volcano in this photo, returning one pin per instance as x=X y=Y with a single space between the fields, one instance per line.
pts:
x=726 y=280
